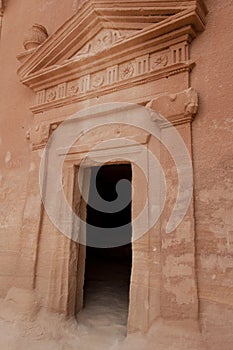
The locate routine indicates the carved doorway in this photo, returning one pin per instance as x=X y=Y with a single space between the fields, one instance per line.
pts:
x=104 y=271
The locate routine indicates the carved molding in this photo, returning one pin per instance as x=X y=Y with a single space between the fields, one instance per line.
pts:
x=53 y=57
x=143 y=68
x=178 y=108
x=113 y=58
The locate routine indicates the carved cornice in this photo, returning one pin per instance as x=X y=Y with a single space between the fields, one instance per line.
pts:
x=91 y=18
x=70 y=92
x=112 y=57
x=73 y=35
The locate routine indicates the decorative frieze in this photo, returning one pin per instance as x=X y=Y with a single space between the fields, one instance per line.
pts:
x=139 y=67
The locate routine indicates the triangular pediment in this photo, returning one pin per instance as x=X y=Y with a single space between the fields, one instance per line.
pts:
x=103 y=40
x=102 y=26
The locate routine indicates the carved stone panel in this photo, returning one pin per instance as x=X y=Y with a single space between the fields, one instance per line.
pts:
x=102 y=41
x=141 y=66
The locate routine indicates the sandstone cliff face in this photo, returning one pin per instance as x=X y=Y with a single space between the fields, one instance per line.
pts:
x=15 y=120
x=212 y=78
x=212 y=140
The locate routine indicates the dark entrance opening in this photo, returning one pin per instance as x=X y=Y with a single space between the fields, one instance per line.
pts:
x=108 y=268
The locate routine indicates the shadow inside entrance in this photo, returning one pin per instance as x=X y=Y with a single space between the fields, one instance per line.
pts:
x=106 y=292
x=107 y=270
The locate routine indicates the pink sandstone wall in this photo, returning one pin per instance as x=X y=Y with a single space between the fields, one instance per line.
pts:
x=15 y=119
x=213 y=169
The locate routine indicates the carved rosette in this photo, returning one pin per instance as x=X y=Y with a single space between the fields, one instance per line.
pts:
x=127 y=71
x=72 y=88
x=35 y=37
x=97 y=80
x=51 y=95
x=159 y=62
